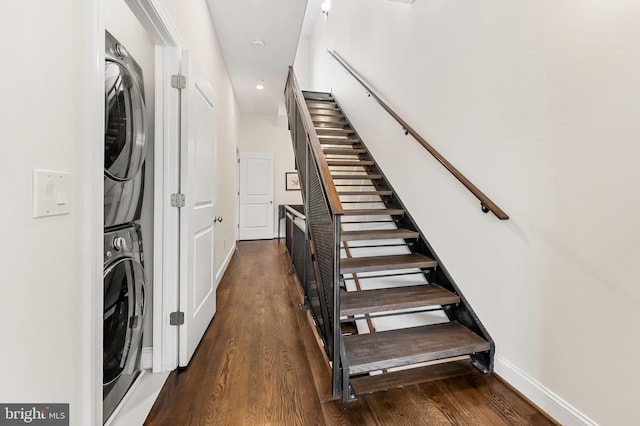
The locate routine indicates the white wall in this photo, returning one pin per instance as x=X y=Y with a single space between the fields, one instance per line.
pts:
x=537 y=104
x=262 y=133
x=51 y=267
x=125 y=27
x=302 y=63
x=198 y=35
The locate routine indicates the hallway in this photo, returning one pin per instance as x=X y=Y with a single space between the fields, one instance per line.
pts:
x=251 y=367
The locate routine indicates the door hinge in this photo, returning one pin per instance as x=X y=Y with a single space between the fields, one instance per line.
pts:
x=178 y=81
x=176 y=318
x=177 y=200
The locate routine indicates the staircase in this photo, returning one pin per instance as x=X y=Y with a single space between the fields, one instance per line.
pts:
x=403 y=320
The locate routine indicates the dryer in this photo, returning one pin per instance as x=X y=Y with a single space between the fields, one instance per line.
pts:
x=125 y=135
x=123 y=314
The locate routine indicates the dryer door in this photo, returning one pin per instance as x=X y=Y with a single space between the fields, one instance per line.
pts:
x=123 y=311
x=125 y=126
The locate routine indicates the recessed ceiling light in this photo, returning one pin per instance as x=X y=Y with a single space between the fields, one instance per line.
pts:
x=260 y=86
x=258 y=44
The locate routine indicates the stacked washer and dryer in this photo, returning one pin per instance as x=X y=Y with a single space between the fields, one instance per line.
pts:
x=125 y=142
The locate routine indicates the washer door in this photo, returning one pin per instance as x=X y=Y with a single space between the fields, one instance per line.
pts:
x=123 y=311
x=125 y=126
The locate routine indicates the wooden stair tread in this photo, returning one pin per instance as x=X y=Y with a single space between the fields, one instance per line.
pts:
x=328 y=139
x=396 y=348
x=371 y=176
x=335 y=113
x=377 y=234
x=323 y=119
x=388 y=299
x=341 y=142
x=366 y=192
x=350 y=162
x=332 y=131
x=373 y=212
x=329 y=124
x=322 y=105
x=383 y=263
x=319 y=99
x=398 y=379
x=343 y=151
x=317 y=96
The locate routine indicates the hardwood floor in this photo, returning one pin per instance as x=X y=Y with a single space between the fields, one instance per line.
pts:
x=252 y=368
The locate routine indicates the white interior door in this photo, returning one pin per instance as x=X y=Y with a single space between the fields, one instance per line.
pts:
x=256 y=196
x=197 y=183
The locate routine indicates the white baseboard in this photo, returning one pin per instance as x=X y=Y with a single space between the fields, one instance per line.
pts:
x=225 y=265
x=548 y=401
x=137 y=403
x=146 y=359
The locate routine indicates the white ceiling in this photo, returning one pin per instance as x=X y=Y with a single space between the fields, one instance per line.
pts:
x=278 y=23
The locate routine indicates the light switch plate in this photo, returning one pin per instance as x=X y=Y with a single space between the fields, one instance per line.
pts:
x=51 y=193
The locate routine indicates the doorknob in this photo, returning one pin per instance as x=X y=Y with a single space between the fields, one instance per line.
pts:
x=217 y=219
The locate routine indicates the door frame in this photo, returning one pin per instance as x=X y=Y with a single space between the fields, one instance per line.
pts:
x=271 y=158
x=156 y=21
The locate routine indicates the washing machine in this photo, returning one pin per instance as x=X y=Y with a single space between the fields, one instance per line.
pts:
x=123 y=314
x=125 y=135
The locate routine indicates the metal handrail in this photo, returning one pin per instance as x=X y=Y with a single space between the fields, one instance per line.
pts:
x=323 y=210
x=295 y=212
x=314 y=142
x=485 y=202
